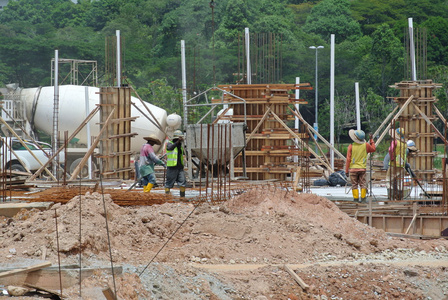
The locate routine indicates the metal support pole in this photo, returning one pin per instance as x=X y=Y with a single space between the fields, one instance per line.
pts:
x=184 y=83
x=55 y=109
x=118 y=58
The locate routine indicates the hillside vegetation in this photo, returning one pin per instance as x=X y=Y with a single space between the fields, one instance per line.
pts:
x=370 y=45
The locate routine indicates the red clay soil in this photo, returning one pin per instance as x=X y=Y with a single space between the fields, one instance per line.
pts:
x=122 y=197
x=265 y=226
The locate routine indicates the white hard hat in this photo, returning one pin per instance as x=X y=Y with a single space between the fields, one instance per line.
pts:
x=177 y=134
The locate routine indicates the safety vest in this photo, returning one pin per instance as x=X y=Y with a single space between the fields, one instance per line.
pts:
x=400 y=155
x=171 y=156
x=359 y=156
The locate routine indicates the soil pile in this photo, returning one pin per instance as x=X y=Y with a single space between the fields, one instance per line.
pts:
x=266 y=226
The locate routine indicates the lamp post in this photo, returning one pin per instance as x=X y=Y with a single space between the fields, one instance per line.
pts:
x=316 y=127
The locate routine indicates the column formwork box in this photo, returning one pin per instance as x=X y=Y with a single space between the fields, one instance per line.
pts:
x=415 y=123
x=270 y=145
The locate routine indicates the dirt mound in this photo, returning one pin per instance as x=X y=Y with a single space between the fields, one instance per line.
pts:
x=263 y=226
x=312 y=214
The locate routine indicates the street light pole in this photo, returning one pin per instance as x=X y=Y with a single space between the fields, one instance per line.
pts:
x=316 y=126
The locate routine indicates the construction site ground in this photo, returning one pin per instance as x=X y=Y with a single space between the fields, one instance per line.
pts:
x=163 y=247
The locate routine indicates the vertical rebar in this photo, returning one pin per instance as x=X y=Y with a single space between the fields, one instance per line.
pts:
x=201 y=161
x=208 y=160
x=57 y=248
x=65 y=157
x=225 y=159
x=213 y=157
x=218 y=166
x=230 y=145
x=445 y=182
x=80 y=241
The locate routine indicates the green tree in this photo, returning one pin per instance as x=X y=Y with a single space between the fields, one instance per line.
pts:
x=374 y=110
x=437 y=32
x=384 y=64
x=332 y=17
x=159 y=93
x=372 y=13
x=236 y=18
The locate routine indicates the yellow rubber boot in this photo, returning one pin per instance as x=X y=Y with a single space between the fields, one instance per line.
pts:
x=355 y=195
x=182 y=191
x=148 y=188
x=167 y=190
x=363 y=195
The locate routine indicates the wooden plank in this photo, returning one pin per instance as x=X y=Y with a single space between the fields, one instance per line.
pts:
x=86 y=120
x=298 y=115
x=410 y=224
x=297 y=278
x=26 y=270
x=92 y=148
x=53 y=293
x=296 y=180
x=107 y=292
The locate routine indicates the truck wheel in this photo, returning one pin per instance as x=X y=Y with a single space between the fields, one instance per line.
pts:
x=17 y=167
x=84 y=171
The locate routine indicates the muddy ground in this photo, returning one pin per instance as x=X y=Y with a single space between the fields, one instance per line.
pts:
x=232 y=250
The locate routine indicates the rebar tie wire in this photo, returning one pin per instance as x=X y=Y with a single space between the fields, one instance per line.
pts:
x=170 y=238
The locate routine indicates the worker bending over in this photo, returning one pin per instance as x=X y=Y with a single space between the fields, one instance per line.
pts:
x=146 y=162
x=356 y=162
x=175 y=163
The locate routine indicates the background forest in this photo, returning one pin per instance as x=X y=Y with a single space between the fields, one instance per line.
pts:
x=370 y=46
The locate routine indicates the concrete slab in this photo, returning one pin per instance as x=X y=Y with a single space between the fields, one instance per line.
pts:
x=48 y=278
x=12 y=208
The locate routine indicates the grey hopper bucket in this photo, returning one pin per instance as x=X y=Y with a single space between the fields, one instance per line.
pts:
x=215 y=144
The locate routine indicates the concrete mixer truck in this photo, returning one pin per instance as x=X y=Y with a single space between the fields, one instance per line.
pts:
x=33 y=108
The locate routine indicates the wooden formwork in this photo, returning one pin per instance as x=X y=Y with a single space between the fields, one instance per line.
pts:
x=268 y=146
x=115 y=146
x=414 y=120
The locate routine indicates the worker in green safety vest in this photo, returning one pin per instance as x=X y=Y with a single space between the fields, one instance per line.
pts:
x=175 y=163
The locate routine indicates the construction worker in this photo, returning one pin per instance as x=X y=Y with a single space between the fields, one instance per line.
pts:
x=356 y=162
x=397 y=163
x=146 y=163
x=175 y=163
x=410 y=150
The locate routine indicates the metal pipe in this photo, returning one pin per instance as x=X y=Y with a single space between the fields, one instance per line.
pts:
x=247 y=40
x=296 y=118
x=332 y=100
x=89 y=143
x=358 y=112
x=55 y=108
x=412 y=50
x=117 y=32
x=184 y=82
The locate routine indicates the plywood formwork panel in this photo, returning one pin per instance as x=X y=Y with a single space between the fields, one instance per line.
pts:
x=422 y=225
x=115 y=146
x=261 y=164
x=416 y=127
